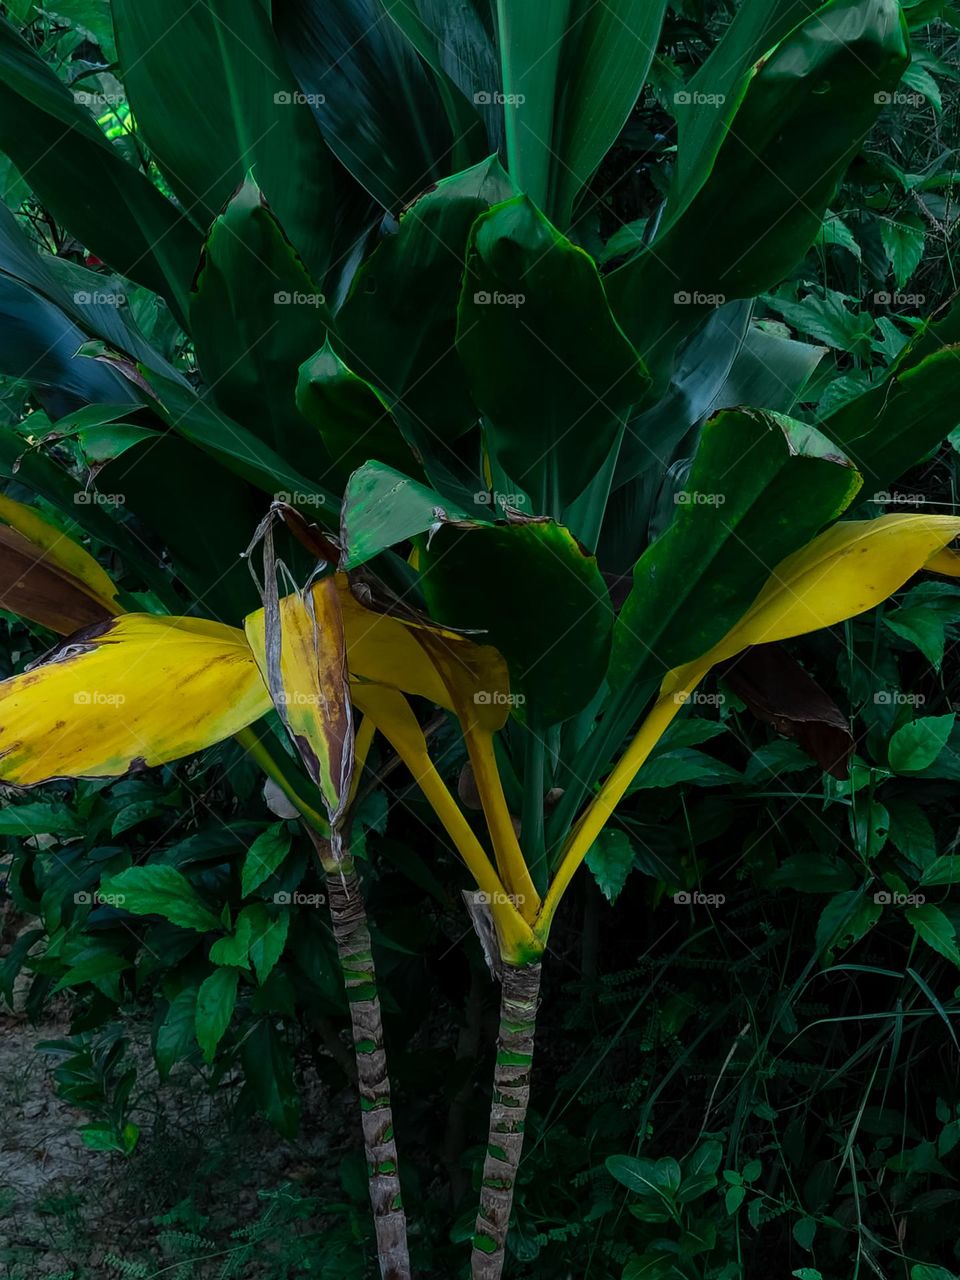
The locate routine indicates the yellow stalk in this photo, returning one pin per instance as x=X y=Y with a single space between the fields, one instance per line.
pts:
x=510 y=860
x=673 y=695
x=362 y=743
x=255 y=748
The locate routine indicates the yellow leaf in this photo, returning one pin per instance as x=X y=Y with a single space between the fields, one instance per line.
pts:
x=304 y=666
x=137 y=689
x=47 y=577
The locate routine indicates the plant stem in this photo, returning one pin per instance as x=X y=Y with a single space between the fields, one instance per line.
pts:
x=508 y=1111
x=352 y=935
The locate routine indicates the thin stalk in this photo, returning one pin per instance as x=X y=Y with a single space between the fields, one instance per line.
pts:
x=508 y=1111
x=352 y=935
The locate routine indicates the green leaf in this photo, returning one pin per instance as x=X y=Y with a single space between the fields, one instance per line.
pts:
x=844 y=920
x=234 y=949
x=353 y=419
x=92 y=18
x=162 y=891
x=911 y=831
x=812 y=873
x=903 y=244
x=112 y=208
x=572 y=74
x=269 y=937
x=671 y=768
x=652 y=1179
x=256 y=315
x=611 y=861
x=804 y=1231
x=216 y=999
x=548 y=365
x=944 y=870
x=732 y=525
x=244 y=113
x=935 y=929
x=836 y=232
x=534 y=594
x=264 y=856
x=39 y=817
x=916 y=746
x=828 y=320
x=379 y=109
x=398 y=325
x=173 y=1036
x=923 y=628
x=805 y=107
x=268 y=1068
x=383 y=507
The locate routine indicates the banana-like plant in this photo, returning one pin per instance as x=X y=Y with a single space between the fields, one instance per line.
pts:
x=361 y=254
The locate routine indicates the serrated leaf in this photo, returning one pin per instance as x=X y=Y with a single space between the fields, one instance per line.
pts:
x=264 y=856
x=917 y=745
x=936 y=930
x=611 y=861
x=216 y=999
x=162 y=891
x=903 y=244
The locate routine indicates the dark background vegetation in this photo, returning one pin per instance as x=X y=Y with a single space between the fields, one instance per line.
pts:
x=805 y=1099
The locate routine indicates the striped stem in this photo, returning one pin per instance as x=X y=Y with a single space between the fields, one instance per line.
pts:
x=352 y=935
x=508 y=1111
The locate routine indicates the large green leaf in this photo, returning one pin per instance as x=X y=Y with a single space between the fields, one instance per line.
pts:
x=572 y=73
x=84 y=181
x=761 y=486
x=351 y=417
x=531 y=591
x=807 y=107
x=214 y=98
x=382 y=507
x=714 y=93
x=159 y=890
x=378 y=106
x=549 y=367
x=256 y=315
x=895 y=424
x=398 y=325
